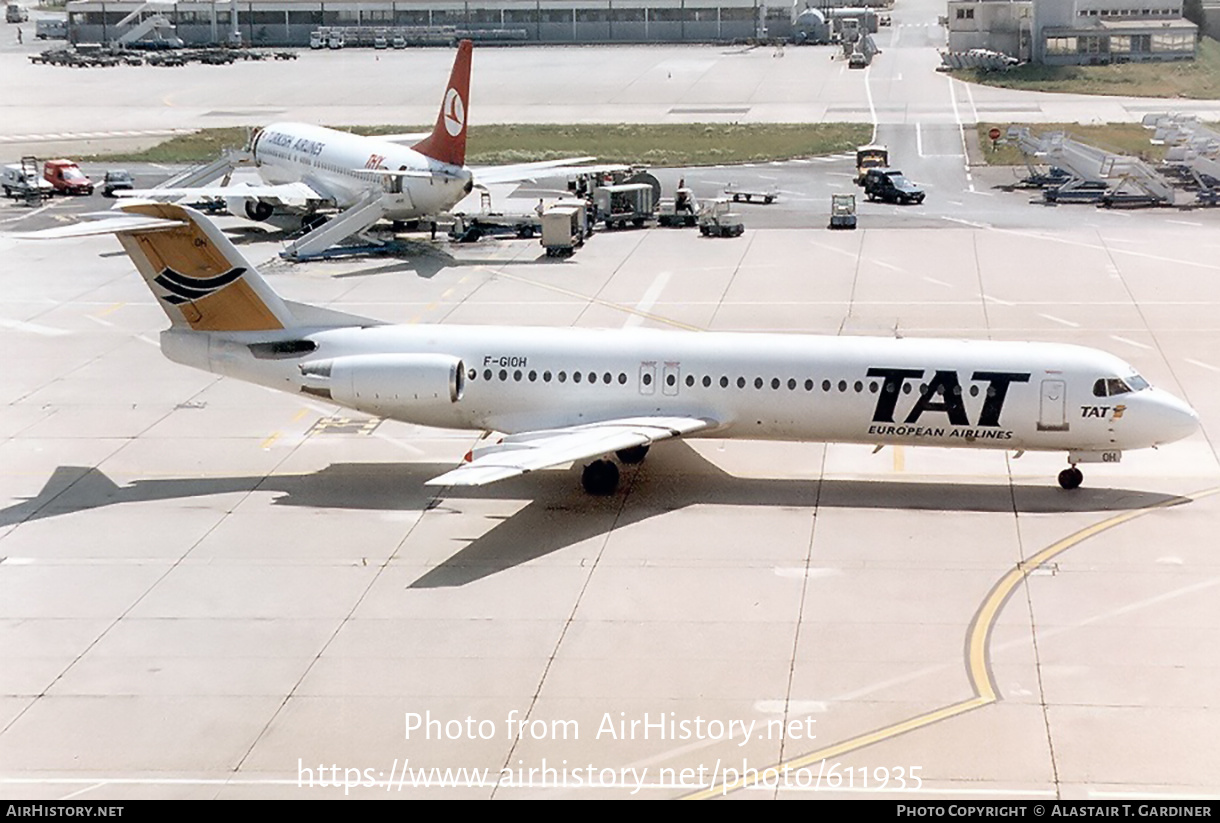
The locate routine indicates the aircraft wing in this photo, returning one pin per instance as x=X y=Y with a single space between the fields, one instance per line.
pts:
x=406 y=138
x=522 y=453
x=103 y=223
x=293 y=195
x=520 y=172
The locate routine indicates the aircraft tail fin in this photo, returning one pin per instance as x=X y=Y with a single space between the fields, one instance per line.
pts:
x=198 y=276
x=447 y=143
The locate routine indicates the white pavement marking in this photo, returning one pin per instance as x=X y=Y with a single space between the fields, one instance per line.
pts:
x=648 y=300
x=32 y=328
x=872 y=111
x=1129 y=342
x=88 y=135
x=38 y=210
x=971 y=223
x=1060 y=320
x=1201 y=364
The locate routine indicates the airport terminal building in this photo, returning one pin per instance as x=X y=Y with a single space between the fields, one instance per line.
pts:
x=1066 y=32
x=291 y=22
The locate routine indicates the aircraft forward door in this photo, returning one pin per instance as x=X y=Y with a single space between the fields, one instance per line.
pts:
x=1052 y=406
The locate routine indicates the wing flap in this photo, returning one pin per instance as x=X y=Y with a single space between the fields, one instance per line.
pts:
x=521 y=453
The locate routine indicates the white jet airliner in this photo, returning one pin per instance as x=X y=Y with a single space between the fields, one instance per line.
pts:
x=368 y=178
x=565 y=395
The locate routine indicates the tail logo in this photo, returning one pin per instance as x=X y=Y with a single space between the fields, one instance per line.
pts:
x=183 y=289
x=454 y=112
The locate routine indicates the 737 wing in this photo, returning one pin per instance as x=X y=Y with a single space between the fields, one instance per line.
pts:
x=522 y=453
x=522 y=172
x=288 y=195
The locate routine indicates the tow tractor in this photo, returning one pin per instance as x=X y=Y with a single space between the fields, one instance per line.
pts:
x=680 y=210
x=842 y=211
x=717 y=220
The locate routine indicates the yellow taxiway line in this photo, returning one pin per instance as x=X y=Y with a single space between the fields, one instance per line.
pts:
x=977 y=661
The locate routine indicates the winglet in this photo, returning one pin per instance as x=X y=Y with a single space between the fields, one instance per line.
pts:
x=447 y=143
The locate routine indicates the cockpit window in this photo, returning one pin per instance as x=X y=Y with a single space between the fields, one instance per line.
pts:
x=1111 y=386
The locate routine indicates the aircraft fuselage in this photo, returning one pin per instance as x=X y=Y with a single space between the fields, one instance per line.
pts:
x=977 y=394
x=338 y=163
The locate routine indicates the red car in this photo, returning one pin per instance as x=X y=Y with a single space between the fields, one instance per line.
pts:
x=66 y=177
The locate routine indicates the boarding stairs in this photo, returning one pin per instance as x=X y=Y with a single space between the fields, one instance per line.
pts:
x=1192 y=152
x=221 y=168
x=352 y=221
x=146 y=20
x=1094 y=173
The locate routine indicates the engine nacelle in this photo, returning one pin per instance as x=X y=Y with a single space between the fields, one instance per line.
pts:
x=419 y=388
x=250 y=207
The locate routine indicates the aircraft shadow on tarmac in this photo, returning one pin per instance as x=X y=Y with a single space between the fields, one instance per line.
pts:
x=559 y=514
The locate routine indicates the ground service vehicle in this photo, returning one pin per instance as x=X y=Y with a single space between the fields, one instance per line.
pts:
x=716 y=220
x=680 y=210
x=51 y=29
x=23 y=182
x=116 y=180
x=868 y=157
x=563 y=229
x=842 y=211
x=624 y=203
x=891 y=186
x=66 y=177
x=14 y=13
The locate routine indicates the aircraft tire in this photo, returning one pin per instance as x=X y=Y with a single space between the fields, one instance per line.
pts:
x=1071 y=478
x=600 y=478
x=633 y=455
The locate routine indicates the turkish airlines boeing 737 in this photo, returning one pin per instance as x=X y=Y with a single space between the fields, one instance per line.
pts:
x=565 y=395
x=367 y=178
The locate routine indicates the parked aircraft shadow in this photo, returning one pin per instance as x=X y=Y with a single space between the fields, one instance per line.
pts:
x=427 y=266
x=559 y=514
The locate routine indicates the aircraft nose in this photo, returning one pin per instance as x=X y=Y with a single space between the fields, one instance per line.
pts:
x=1179 y=420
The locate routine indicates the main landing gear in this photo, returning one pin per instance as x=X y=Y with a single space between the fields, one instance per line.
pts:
x=1071 y=478
x=601 y=476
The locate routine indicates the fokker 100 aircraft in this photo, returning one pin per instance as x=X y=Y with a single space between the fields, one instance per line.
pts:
x=367 y=178
x=562 y=395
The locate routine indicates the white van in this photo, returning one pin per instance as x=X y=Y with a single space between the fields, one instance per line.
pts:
x=16 y=183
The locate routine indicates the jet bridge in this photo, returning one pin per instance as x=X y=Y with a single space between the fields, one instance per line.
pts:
x=1094 y=174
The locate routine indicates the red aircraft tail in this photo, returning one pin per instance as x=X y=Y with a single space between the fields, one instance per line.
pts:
x=447 y=142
